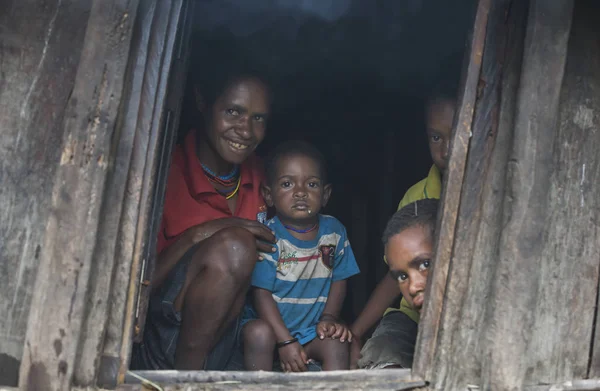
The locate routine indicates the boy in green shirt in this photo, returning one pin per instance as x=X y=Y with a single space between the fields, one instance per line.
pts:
x=398 y=328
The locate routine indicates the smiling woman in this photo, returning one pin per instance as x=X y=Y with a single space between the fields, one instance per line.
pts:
x=211 y=229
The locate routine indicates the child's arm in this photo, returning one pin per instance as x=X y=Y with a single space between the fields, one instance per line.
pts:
x=385 y=294
x=267 y=310
x=292 y=356
x=329 y=325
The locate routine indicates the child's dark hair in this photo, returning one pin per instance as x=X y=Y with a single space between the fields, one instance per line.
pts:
x=446 y=83
x=294 y=147
x=421 y=213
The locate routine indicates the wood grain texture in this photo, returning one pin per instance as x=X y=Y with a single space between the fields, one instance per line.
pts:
x=458 y=359
x=61 y=299
x=537 y=275
x=165 y=26
x=388 y=379
x=37 y=72
x=432 y=310
x=583 y=81
x=138 y=107
x=152 y=115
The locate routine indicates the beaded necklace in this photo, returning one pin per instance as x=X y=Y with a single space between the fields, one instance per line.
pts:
x=302 y=231
x=231 y=182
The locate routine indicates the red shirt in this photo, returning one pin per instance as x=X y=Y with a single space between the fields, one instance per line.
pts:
x=190 y=198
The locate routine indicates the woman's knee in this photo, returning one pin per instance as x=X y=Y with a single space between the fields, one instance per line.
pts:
x=259 y=334
x=230 y=252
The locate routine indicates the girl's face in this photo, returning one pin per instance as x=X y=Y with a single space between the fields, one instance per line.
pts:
x=409 y=256
x=237 y=120
x=439 y=120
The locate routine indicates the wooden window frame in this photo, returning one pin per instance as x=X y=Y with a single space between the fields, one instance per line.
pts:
x=152 y=75
x=151 y=192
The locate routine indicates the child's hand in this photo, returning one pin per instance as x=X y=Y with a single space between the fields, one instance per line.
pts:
x=293 y=358
x=334 y=330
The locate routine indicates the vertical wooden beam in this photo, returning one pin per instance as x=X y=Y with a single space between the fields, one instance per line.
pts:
x=458 y=360
x=580 y=122
x=133 y=111
x=153 y=113
x=538 y=270
x=60 y=299
x=432 y=311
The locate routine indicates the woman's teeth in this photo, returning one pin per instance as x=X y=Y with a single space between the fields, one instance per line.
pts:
x=236 y=145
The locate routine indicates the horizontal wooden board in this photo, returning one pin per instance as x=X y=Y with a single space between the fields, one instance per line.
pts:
x=390 y=379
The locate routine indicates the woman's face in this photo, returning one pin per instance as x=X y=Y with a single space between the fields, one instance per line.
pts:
x=409 y=256
x=237 y=119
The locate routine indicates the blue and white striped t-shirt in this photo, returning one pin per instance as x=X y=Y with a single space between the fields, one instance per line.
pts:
x=300 y=273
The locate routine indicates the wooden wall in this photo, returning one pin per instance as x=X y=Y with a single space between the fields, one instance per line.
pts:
x=518 y=305
x=515 y=286
x=40 y=47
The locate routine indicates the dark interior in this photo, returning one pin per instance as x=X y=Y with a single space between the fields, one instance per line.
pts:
x=349 y=76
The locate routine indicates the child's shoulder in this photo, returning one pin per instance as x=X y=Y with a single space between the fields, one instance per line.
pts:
x=414 y=193
x=330 y=223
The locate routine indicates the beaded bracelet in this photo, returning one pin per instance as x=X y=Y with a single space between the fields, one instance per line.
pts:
x=285 y=343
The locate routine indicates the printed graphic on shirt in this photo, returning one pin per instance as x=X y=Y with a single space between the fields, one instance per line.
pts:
x=299 y=263
x=327 y=255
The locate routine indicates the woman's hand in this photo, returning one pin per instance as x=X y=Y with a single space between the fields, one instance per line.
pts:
x=293 y=358
x=264 y=236
x=334 y=330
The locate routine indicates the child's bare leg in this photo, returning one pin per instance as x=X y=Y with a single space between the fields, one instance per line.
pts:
x=259 y=345
x=332 y=353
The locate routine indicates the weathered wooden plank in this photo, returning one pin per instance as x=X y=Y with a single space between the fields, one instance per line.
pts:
x=33 y=58
x=138 y=108
x=570 y=385
x=173 y=376
x=61 y=297
x=104 y=255
x=159 y=140
x=159 y=157
x=539 y=267
x=565 y=305
x=432 y=311
x=585 y=116
x=110 y=362
x=397 y=379
x=458 y=358
x=158 y=50
x=300 y=386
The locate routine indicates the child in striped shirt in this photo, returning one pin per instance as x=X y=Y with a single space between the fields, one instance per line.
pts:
x=298 y=291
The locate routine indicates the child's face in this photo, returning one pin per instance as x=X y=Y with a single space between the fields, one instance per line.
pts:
x=439 y=119
x=409 y=256
x=297 y=192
